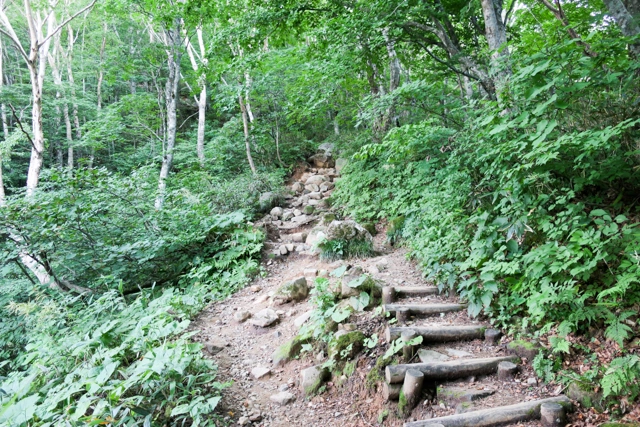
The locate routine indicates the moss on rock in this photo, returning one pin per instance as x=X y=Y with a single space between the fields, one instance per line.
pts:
x=346 y=346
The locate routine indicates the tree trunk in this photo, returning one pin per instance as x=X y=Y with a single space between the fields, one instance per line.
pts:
x=5 y=126
x=627 y=19
x=92 y=153
x=172 y=38
x=394 y=77
x=202 y=99
x=245 y=124
x=76 y=120
x=496 y=35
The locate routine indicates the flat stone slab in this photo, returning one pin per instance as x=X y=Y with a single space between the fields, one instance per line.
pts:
x=461 y=394
x=427 y=356
x=302 y=319
x=264 y=318
x=260 y=372
x=283 y=398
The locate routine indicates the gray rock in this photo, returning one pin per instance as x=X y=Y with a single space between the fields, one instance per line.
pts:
x=301 y=218
x=312 y=188
x=326 y=147
x=326 y=186
x=276 y=212
x=299 y=237
x=267 y=200
x=532 y=381
x=302 y=319
x=290 y=247
x=322 y=161
x=347 y=230
x=311 y=379
x=241 y=316
x=283 y=398
x=315 y=195
x=283 y=250
x=316 y=235
x=314 y=202
x=260 y=372
x=287 y=215
x=297 y=187
x=427 y=356
x=297 y=212
x=293 y=290
x=215 y=346
x=264 y=318
x=340 y=164
x=243 y=421
x=316 y=180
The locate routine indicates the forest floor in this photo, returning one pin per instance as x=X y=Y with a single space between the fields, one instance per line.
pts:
x=243 y=351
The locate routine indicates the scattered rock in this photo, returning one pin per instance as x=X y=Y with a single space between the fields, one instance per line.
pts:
x=308 y=210
x=255 y=288
x=427 y=356
x=243 y=421
x=347 y=230
x=302 y=319
x=264 y=318
x=585 y=395
x=299 y=237
x=287 y=215
x=312 y=188
x=276 y=212
x=215 y=346
x=294 y=290
x=316 y=235
x=316 y=195
x=282 y=250
x=297 y=187
x=260 y=372
x=524 y=348
x=241 y=316
x=283 y=398
x=310 y=272
x=311 y=379
x=289 y=350
x=316 y=180
x=340 y=164
x=532 y=381
x=321 y=161
x=267 y=200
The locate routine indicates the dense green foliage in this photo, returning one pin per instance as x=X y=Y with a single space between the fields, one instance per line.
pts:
x=530 y=214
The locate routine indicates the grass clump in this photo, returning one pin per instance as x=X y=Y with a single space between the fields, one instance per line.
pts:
x=336 y=249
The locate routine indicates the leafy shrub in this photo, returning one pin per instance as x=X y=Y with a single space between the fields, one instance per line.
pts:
x=527 y=211
x=335 y=249
x=109 y=360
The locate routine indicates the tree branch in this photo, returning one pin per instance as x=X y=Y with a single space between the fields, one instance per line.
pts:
x=15 y=116
x=12 y=35
x=66 y=21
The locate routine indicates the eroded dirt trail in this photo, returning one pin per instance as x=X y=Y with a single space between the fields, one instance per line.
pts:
x=242 y=333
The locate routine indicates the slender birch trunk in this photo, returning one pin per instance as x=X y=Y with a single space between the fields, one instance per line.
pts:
x=496 y=35
x=173 y=43
x=5 y=126
x=245 y=124
x=201 y=100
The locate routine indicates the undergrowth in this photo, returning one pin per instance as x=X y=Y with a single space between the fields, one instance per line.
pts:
x=532 y=214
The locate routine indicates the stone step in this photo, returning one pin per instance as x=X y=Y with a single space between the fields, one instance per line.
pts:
x=438 y=333
x=525 y=411
x=450 y=370
x=432 y=308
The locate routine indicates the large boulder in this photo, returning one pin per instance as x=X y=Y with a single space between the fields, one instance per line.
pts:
x=326 y=148
x=322 y=160
x=267 y=200
x=347 y=230
x=316 y=235
x=340 y=164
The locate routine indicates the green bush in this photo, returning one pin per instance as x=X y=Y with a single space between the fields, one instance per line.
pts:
x=527 y=211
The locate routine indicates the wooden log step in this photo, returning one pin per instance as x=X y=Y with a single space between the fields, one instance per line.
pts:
x=439 y=333
x=500 y=415
x=424 y=308
x=415 y=291
x=449 y=370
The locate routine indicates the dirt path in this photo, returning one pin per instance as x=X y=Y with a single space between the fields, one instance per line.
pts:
x=243 y=351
